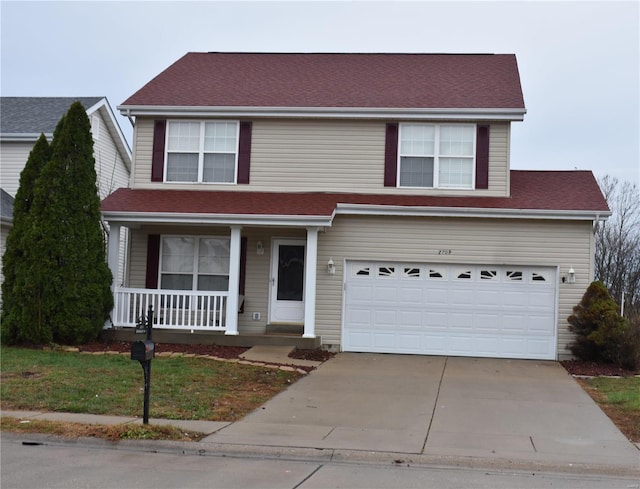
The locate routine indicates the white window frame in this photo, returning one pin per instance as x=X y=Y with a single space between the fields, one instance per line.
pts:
x=201 y=151
x=436 y=156
x=196 y=254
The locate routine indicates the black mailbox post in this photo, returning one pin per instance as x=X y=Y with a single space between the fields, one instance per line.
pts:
x=144 y=351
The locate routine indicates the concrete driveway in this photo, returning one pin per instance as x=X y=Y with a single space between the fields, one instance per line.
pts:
x=523 y=410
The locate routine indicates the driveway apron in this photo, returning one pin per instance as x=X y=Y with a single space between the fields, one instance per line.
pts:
x=445 y=406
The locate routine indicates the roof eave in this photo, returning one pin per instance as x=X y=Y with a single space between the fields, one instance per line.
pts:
x=216 y=219
x=506 y=114
x=23 y=137
x=488 y=213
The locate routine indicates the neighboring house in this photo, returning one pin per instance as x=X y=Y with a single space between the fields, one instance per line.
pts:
x=6 y=222
x=23 y=119
x=364 y=201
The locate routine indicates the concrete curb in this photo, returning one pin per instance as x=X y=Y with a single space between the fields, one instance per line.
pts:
x=327 y=455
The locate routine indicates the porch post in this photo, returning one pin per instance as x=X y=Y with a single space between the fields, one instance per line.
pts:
x=231 y=321
x=113 y=252
x=113 y=258
x=310 y=272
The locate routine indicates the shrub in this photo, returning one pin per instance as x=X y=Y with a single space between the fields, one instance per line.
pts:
x=602 y=334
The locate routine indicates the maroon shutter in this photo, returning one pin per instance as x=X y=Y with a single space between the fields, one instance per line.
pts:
x=157 y=159
x=243 y=269
x=391 y=156
x=482 y=157
x=153 y=260
x=244 y=152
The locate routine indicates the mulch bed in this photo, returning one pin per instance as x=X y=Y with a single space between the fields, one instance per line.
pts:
x=213 y=350
x=596 y=369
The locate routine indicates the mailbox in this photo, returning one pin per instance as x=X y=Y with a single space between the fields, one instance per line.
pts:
x=142 y=350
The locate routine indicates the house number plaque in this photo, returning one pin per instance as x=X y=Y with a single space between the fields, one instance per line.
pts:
x=444 y=252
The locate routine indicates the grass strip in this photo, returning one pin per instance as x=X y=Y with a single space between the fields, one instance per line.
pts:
x=181 y=388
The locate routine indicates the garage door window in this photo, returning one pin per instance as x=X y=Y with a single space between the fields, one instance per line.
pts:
x=386 y=271
x=362 y=272
x=488 y=275
x=464 y=275
x=437 y=274
x=411 y=272
x=513 y=275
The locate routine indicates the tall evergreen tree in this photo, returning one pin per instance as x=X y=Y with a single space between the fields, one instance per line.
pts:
x=67 y=242
x=18 y=308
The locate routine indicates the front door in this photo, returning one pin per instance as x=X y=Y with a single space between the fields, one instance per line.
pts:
x=287 y=281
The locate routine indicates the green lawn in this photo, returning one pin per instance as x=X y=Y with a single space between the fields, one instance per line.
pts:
x=181 y=388
x=620 y=399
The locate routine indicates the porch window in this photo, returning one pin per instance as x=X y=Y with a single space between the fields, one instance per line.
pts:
x=202 y=151
x=195 y=263
x=437 y=155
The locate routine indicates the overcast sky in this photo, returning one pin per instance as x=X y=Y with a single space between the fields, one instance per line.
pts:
x=579 y=61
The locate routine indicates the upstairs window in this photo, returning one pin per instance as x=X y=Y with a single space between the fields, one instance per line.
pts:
x=437 y=155
x=201 y=151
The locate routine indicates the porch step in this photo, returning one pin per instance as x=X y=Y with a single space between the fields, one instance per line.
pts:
x=287 y=329
x=214 y=338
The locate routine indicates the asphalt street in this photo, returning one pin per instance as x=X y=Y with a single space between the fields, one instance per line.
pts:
x=27 y=464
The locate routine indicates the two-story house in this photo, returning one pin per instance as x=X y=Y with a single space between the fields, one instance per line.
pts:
x=360 y=201
x=23 y=119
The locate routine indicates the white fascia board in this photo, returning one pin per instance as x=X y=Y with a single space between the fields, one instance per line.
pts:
x=6 y=221
x=23 y=137
x=414 y=211
x=217 y=219
x=328 y=112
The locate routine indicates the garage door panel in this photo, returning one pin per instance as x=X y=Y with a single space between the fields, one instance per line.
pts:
x=385 y=295
x=463 y=297
x=470 y=310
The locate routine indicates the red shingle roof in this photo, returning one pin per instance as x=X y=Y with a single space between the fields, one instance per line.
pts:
x=530 y=191
x=473 y=81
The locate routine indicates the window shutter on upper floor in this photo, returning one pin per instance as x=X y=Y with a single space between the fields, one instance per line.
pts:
x=153 y=261
x=391 y=155
x=244 y=152
x=482 y=157
x=157 y=159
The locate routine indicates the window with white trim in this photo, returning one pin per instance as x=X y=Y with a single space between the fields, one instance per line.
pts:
x=201 y=151
x=437 y=155
x=194 y=263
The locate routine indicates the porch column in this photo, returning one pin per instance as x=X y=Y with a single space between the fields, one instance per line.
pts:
x=113 y=258
x=231 y=321
x=310 y=275
x=113 y=252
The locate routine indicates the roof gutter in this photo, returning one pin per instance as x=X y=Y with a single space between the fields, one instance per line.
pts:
x=217 y=219
x=506 y=114
x=418 y=211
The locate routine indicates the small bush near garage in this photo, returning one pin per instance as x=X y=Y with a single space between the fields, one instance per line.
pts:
x=602 y=334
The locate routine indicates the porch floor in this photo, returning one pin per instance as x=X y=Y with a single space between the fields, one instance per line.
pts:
x=214 y=338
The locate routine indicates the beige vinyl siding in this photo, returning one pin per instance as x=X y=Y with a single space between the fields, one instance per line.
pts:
x=562 y=244
x=13 y=157
x=328 y=156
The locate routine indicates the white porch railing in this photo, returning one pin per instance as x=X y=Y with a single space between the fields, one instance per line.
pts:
x=172 y=309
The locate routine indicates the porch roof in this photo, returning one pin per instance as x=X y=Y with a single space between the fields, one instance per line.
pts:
x=534 y=194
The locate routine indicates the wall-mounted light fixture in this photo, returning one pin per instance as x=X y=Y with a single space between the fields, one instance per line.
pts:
x=259 y=248
x=570 y=278
x=331 y=267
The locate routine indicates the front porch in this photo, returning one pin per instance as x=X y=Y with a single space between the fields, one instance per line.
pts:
x=168 y=336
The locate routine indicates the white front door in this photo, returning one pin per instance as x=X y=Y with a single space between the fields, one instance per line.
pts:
x=287 y=281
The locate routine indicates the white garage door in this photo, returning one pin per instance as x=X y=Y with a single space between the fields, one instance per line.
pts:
x=460 y=310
